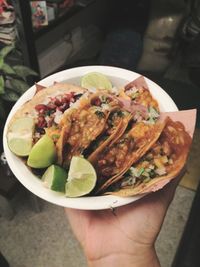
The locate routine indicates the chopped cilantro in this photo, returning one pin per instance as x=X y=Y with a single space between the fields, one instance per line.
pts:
x=152 y=174
x=123 y=140
x=140 y=171
x=100 y=114
x=153 y=115
x=134 y=95
x=120 y=113
x=55 y=136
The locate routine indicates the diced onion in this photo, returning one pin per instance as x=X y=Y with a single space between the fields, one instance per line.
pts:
x=133 y=90
x=105 y=106
x=133 y=171
x=58 y=116
x=146 y=174
x=129 y=181
x=164 y=159
x=47 y=118
x=92 y=90
x=158 y=163
x=114 y=90
x=160 y=171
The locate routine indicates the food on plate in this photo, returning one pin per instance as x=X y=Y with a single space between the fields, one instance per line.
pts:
x=133 y=144
x=162 y=162
x=55 y=178
x=116 y=124
x=137 y=91
x=86 y=123
x=47 y=106
x=20 y=136
x=81 y=177
x=42 y=154
x=97 y=139
x=96 y=80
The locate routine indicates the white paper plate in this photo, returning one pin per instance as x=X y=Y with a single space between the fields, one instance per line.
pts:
x=118 y=77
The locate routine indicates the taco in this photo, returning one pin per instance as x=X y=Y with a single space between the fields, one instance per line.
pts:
x=133 y=144
x=116 y=124
x=139 y=93
x=48 y=105
x=159 y=165
x=86 y=124
x=137 y=98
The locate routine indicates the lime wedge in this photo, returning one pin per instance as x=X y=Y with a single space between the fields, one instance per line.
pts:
x=42 y=154
x=55 y=178
x=81 y=177
x=96 y=80
x=20 y=136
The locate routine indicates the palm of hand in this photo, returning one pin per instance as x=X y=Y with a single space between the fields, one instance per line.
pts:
x=127 y=229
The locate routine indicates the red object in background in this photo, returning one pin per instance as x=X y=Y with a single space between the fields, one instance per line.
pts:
x=67 y=3
x=4 y=5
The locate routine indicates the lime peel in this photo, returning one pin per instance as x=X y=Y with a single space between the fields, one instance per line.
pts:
x=42 y=154
x=81 y=177
x=55 y=178
x=20 y=136
x=96 y=80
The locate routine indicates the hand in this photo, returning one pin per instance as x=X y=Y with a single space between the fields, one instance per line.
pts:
x=125 y=237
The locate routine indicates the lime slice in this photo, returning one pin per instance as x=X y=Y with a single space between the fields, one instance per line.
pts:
x=81 y=177
x=55 y=178
x=96 y=80
x=20 y=136
x=43 y=153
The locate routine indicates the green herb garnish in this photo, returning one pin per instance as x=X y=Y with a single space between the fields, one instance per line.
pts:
x=48 y=112
x=100 y=114
x=55 y=136
x=153 y=115
x=140 y=172
x=134 y=95
x=120 y=113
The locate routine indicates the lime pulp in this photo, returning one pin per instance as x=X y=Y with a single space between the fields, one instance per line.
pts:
x=96 y=80
x=20 y=136
x=81 y=177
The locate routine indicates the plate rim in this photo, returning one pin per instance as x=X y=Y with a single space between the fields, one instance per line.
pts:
x=47 y=194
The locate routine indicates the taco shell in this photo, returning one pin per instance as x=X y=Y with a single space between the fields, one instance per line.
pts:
x=142 y=136
x=41 y=96
x=178 y=134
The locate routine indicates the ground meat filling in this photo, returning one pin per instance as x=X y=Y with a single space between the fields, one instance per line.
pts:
x=87 y=125
x=113 y=121
x=113 y=159
x=154 y=164
x=159 y=161
x=141 y=96
x=117 y=157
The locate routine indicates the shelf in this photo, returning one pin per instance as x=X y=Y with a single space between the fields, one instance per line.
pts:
x=68 y=14
x=61 y=18
x=35 y=42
